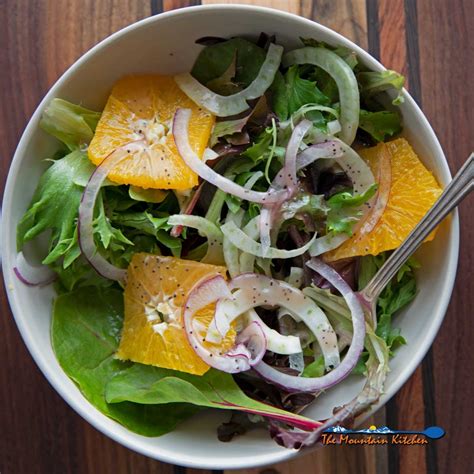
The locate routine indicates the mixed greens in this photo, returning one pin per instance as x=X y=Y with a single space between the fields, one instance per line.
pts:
x=281 y=185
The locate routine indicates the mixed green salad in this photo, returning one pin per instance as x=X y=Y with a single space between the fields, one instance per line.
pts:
x=269 y=177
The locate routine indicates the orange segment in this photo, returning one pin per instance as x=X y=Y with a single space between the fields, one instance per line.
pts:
x=156 y=291
x=142 y=107
x=413 y=191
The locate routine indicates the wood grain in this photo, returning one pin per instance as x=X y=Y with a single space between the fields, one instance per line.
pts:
x=40 y=433
x=446 y=72
x=392 y=44
x=292 y=6
x=432 y=42
x=347 y=17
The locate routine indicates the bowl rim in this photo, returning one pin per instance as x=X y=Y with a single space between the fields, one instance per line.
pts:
x=51 y=373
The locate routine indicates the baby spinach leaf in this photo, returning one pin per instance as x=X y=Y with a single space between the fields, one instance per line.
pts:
x=215 y=60
x=85 y=333
x=215 y=389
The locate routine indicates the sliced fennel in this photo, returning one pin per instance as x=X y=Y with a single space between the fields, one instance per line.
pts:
x=344 y=77
x=224 y=106
x=214 y=254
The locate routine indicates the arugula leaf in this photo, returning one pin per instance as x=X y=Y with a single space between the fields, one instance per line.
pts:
x=380 y=125
x=76 y=273
x=227 y=127
x=85 y=333
x=341 y=221
x=143 y=221
x=373 y=82
x=297 y=93
x=72 y=124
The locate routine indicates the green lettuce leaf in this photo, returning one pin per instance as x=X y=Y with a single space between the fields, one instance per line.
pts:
x=315 y=368
x=380 y=125
x=54 y=208
x=344 y=210
x=296 y=93
x=347 y=199
x=85 y=333
x=373 y=82
x=396 y=295
x=71 y=124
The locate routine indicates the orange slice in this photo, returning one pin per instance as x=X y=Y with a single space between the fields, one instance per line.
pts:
x=156 y=291
x=413 y=191
x=142 y=107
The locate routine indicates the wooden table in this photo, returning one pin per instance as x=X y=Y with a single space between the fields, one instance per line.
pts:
x=431 y=42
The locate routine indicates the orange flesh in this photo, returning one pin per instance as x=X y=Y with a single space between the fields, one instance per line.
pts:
x=142 y=108
x=157 y=288
x=413 y=191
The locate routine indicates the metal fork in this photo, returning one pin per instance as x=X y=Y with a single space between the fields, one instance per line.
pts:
x=457 y=189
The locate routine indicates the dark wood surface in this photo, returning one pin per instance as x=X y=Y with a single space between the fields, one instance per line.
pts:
x=432 y=42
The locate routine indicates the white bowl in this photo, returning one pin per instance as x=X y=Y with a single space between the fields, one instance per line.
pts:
x=166 y=44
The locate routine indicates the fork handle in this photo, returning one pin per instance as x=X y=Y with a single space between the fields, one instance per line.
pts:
x=457 y=189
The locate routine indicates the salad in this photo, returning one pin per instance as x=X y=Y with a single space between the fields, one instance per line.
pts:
x=208 y=233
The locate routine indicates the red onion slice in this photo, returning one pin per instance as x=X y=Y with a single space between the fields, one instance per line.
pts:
x=316 y=384
x=181 y=138
x=250 y=343
x=86 y=214
x=257 y=290
x=32 y=275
